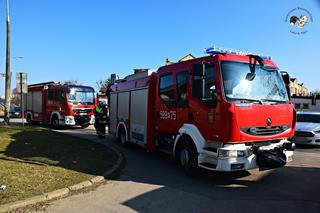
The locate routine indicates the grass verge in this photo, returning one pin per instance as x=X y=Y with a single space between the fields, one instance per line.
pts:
x=35 y=161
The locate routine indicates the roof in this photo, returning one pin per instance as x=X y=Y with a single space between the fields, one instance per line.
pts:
x=187 y=57
x=185 y=65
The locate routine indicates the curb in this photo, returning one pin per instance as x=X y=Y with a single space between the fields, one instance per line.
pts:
x=68 y=190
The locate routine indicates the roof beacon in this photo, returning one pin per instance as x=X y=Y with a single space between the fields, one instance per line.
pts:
x=221 y=50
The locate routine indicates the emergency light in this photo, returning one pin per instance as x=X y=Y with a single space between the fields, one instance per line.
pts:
x=219 y=50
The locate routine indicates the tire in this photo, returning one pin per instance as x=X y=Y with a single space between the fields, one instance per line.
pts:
x=55 y=122
x=189 y=157
x=122 y=137
x=29 y=120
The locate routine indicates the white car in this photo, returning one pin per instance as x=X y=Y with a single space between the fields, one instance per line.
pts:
x=308 y=128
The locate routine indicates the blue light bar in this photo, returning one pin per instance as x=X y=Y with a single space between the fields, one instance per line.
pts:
x=219 y=50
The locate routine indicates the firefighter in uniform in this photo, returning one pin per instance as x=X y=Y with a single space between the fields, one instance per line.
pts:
x=100 y=119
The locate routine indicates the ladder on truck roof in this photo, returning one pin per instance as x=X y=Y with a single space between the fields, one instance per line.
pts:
x=42 y=84
x=140 y=73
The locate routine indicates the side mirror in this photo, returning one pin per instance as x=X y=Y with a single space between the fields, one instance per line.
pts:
x=198 y=70
x=213 y=89
x=286 y=80
x=250 y=76
x=285 y=77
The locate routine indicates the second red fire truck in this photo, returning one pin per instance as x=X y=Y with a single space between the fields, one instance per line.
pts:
x=228 y=111
x=60 y=104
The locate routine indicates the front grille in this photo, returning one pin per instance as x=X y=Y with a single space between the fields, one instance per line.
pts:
x=303 y=134
x=82 y=119
x=262 y=130
x=78 y=111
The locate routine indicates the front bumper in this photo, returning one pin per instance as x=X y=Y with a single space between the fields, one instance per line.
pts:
x=77 y=120
x=211 y=160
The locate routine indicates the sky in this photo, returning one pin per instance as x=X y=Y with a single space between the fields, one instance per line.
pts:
x=87 y=40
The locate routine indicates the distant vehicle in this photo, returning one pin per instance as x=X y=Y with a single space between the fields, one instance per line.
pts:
x=60 y=105
x=15 y=112
x=308 y=128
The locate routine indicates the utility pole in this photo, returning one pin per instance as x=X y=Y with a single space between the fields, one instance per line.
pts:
x=8 y=73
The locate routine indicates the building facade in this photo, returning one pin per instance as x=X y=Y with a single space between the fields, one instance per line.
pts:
x=306 y=103
x=297 y=89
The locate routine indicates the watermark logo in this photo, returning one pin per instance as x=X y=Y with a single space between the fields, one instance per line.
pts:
x=299 y=19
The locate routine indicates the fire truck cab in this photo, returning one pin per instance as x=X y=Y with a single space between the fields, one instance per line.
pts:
x=60 y=105
x=228 y=111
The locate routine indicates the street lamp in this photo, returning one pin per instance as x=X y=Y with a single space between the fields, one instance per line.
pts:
x=8 y=74
x=18 y=57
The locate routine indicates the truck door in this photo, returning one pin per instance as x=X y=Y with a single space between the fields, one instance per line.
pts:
x=204 y=107
x=172 y=108
x=182 y=106
x=166 y=112
x=44 y=106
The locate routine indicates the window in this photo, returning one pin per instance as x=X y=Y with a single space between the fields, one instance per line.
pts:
x=305 y=106
x=50 y=95
x=60 y=96
x=266 y=85
x=297 y=106
x=182 y=86
x=166 y=87
x=208 y=82
x=311 y=118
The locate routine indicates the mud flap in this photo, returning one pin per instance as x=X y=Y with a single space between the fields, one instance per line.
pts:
x=271 y=159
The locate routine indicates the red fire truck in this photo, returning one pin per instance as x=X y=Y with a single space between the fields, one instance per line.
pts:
x=60 y=105
x=228 y=111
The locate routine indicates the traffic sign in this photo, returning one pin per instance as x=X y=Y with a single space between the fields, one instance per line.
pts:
x=21 y=80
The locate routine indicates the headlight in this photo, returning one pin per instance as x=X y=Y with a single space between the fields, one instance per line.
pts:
x=231 y=153
x=317 y=131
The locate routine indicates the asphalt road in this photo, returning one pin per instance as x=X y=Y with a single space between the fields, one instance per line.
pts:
x=152 y=182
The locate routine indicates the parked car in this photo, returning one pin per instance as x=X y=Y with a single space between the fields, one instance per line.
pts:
x=15 y=112
x=308 y=128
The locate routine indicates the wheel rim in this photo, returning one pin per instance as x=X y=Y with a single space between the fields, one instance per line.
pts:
x=55 y=122
x=184 y=157
x=123 y=138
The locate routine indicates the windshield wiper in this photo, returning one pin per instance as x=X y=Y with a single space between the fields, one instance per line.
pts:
x=272 y=100
x=248 y=100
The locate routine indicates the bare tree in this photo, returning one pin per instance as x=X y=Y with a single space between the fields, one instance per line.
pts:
x=15 y=97
x=104 y=83
x=315 y=92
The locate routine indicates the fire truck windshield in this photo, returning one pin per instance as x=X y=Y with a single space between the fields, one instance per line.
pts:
x=266 y=86
x=83 y=95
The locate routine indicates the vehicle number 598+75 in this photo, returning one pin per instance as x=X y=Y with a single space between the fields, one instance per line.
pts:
x=165 y=115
